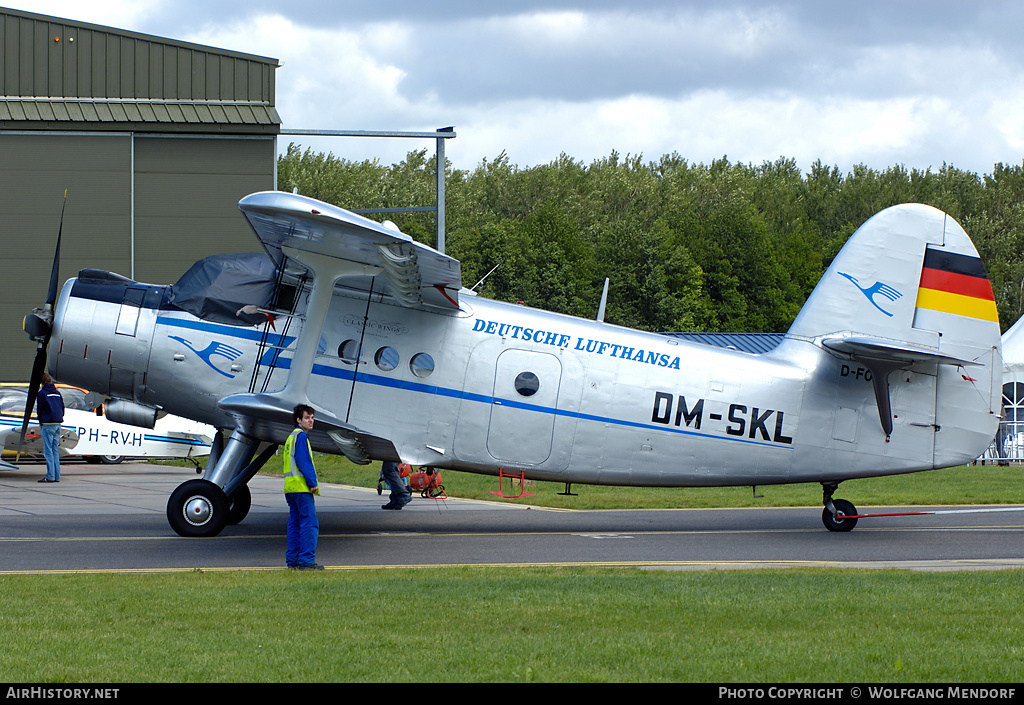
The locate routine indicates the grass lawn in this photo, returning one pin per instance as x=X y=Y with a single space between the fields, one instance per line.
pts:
x=512 y=624
x=552 y=625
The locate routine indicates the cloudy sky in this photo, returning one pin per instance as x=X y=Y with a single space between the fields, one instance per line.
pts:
x=911 y=82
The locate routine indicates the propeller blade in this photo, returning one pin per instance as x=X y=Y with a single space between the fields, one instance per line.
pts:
x=51 y=295
x=39 y=365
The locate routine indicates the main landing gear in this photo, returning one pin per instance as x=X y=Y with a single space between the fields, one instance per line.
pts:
x=838 y=515
x=204 y=507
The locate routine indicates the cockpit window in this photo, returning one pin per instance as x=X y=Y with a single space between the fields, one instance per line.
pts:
x=74 y=398
x=12 y=401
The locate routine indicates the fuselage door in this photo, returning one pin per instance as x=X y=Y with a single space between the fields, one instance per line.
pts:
x=525 y=399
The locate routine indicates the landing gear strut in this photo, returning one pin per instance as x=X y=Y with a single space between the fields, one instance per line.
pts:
x=838 y=515
x=204 y=507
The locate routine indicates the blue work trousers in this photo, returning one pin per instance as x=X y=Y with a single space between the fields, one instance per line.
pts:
x=401 y=495
x=303 y=529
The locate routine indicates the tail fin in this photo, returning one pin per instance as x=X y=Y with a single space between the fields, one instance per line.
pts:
x=908 y=291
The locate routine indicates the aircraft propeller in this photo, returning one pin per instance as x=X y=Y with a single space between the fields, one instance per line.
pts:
x=39 y=326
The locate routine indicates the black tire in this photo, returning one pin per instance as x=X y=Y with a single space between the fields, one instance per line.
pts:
x=239 y=505
x=111 y=459
x=197 y=508
x=839 y=525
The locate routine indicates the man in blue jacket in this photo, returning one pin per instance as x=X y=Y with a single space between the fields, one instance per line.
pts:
x=50 y=414
x=300 y=484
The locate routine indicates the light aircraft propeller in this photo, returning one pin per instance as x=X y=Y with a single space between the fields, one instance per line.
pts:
x=39 y=326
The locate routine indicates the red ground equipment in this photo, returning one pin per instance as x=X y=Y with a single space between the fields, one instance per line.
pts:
x=427 y=483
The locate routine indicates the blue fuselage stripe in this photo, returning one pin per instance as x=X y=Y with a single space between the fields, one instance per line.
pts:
x=419 y=387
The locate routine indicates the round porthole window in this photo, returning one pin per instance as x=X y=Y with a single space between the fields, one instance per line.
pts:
x=527 y=384
x=349 y=351
x=422 y=365
x=386 y=359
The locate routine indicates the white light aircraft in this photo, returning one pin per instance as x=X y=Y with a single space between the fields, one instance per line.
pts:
x=89 y=432
x=892 y=366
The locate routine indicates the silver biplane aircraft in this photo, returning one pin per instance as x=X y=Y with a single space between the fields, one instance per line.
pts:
x=892 y=366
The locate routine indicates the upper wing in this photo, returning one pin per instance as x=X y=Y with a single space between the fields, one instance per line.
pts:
x=417 y=275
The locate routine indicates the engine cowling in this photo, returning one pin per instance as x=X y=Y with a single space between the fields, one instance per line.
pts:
x=103 y=333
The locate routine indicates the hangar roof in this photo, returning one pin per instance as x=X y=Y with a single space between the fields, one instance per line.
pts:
x=63 y=74
x=86 y=113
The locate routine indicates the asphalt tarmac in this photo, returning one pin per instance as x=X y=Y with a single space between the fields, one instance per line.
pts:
x=112 y=518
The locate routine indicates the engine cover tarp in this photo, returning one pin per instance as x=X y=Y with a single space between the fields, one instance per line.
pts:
x=215 y=288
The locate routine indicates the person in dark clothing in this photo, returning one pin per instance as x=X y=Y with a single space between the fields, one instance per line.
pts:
x=400 y=494
x=50 y=414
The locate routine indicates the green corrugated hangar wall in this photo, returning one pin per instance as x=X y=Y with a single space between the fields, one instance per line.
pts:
x=155 y=142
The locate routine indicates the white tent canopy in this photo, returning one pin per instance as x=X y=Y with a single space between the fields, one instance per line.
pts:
x=1009 y=441
x=1013 y=353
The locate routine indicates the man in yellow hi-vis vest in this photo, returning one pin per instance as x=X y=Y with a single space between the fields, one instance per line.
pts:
x=300 y=485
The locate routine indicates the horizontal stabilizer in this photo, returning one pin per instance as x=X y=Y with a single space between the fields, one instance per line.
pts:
x=4 y=435
x=877 y=349
x=416 y=275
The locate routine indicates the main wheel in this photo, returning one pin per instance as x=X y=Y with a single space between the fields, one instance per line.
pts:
x=239 y=504
x=197 y=508
x=846 y=509
x=111 y=459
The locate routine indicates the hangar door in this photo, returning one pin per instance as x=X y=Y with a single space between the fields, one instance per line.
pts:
x=36 y=169
x=144 y=206
x=187 y=191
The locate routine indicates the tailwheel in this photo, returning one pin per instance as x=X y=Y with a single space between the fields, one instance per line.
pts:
x=198 y=508
x=837 y=521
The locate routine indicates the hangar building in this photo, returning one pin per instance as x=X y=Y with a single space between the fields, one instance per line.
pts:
x=154 y=140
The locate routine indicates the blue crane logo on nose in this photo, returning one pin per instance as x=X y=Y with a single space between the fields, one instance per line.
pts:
x=212 y=349
x=877 y=288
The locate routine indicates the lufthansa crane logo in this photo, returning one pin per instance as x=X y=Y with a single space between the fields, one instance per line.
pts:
x=883 y=290
x=214 y=348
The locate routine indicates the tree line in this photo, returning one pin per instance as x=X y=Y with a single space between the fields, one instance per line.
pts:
x=687 y=246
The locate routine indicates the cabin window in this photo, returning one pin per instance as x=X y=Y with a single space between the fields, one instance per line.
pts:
x=74 y=399
x=386 y=359
x=422 y=365
x=349 y=351
x=527 y=384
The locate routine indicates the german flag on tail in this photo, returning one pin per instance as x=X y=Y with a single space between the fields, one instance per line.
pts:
x=957 y=284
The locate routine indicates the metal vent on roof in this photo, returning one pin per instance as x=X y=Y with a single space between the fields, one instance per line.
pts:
x=756 y=343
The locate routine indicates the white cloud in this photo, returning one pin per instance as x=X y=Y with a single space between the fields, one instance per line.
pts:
x=909 y=83
x=129 y=14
